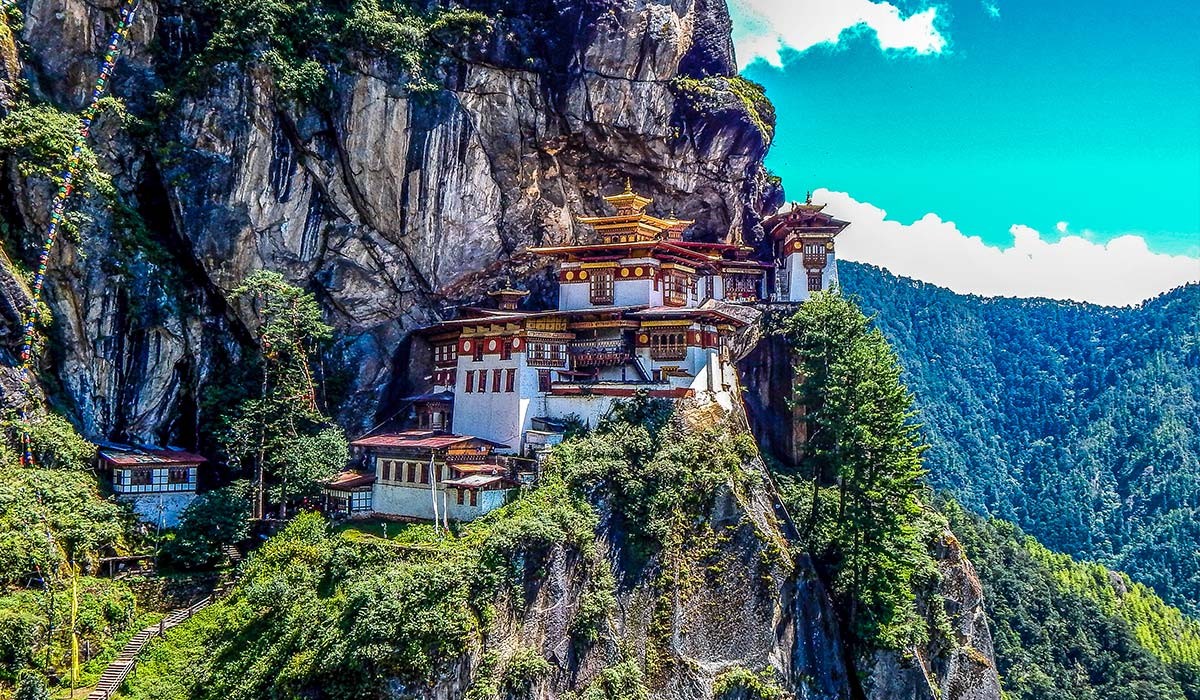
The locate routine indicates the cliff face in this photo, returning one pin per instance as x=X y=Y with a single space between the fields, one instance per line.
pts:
x=390 y=206
x=960 y=668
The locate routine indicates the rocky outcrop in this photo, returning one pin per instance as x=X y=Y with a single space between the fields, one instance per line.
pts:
x=392 y=207
x=734 y=600
x=960 y=668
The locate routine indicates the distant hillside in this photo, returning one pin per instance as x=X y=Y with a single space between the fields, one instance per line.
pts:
x=1078 y=422
x=1075 y=631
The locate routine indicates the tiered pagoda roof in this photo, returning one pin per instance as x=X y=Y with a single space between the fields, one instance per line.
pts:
x=805 y=219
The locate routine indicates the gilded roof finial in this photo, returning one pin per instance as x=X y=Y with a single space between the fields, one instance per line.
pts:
x=628 y=185
x=808 y=198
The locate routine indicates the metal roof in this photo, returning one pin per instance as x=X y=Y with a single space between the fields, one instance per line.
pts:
x=475 y=481
x=149 y=457
x=349 y=480
x=419 y=439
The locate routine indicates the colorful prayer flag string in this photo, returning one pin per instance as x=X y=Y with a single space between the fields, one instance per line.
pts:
x=67 y=177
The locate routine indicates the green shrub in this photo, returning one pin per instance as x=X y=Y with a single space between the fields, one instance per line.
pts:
x=298 y=41
x=53 y=442
x=750 y=685
x=523 y=669
x=210 y=523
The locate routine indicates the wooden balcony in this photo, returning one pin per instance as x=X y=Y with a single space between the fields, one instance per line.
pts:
x=600 y=353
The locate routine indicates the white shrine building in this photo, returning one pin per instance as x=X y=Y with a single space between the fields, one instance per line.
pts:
x=159 y=483
x=641 y=308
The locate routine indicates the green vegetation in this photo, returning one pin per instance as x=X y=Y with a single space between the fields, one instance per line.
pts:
x=210 y=523
x=300 y=41
x=35 y=628
x=1079 y=423
x=282 y=434
x=52 y=519
x=742 y=682
x=53 y=442
x=855 y=495
x=524 y=668
x=621 y=681
x=343 y=613
x=1069 y=630
x=40 y=140
x=714 y=95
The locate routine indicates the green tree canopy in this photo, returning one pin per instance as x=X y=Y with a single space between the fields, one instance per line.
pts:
x=862 y=462
x=282 y=432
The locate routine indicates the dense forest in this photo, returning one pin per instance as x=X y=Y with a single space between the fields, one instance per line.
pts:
x=1080 y=423
x=1075 y=631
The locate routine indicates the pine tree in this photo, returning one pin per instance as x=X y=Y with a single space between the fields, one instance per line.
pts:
x=863 y=461
x=282 y=432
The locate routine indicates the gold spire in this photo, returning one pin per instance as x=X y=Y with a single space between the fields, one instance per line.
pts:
x=628 y=202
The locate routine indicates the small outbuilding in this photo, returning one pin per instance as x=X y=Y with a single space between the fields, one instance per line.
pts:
x=435 y=475
x=158 y=482
x=348 y=494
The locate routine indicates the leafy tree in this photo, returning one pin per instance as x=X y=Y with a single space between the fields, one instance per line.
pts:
x=51 y=517
x=53 y=442
x=863 y=446
x=210 y=523
x=281 y=432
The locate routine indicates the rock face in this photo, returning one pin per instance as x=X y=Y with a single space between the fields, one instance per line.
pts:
x=963 y=668
x=735 y=600
x=390 y=207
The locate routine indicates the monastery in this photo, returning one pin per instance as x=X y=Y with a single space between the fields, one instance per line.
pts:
x=641 y=308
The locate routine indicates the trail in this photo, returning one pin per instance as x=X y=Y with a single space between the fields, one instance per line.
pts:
x=120 y=668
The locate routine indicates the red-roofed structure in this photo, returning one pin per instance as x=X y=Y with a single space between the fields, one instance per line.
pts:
x=159 y=482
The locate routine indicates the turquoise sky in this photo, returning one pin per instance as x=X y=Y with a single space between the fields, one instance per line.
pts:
x=1086 y=112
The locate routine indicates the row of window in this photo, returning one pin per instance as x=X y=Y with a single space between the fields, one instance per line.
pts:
x=445 y=354
x=153 y=480
x=407 y=471
x=507 y=376
x=544 y=354
x=358 y=502
x=668 y=346
x=814 y=248
x=741 y=287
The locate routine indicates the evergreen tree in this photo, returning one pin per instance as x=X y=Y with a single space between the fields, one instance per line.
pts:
x=31 y=686
x=282 y=433
x=863 y=463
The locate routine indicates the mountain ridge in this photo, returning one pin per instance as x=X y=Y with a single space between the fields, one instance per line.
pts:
x=1036 y=414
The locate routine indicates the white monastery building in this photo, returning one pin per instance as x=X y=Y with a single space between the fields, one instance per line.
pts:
x=159 y=483
x=641 y=308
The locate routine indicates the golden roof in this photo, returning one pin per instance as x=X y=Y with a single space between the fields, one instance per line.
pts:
x=628 y=202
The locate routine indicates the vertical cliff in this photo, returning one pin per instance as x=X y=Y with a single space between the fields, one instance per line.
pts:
x=390 y=205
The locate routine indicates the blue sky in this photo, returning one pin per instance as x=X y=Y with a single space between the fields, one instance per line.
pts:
x=1068 y=118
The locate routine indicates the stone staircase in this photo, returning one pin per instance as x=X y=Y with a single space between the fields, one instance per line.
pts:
x=234 y=554
x=117 y=671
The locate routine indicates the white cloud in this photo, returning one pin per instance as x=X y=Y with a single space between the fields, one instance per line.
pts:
x=1120 y=272
x=992 y=9
x=761 y=28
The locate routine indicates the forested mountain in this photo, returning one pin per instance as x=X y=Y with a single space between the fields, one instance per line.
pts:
x=1078 y=422
x=1075 y=631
